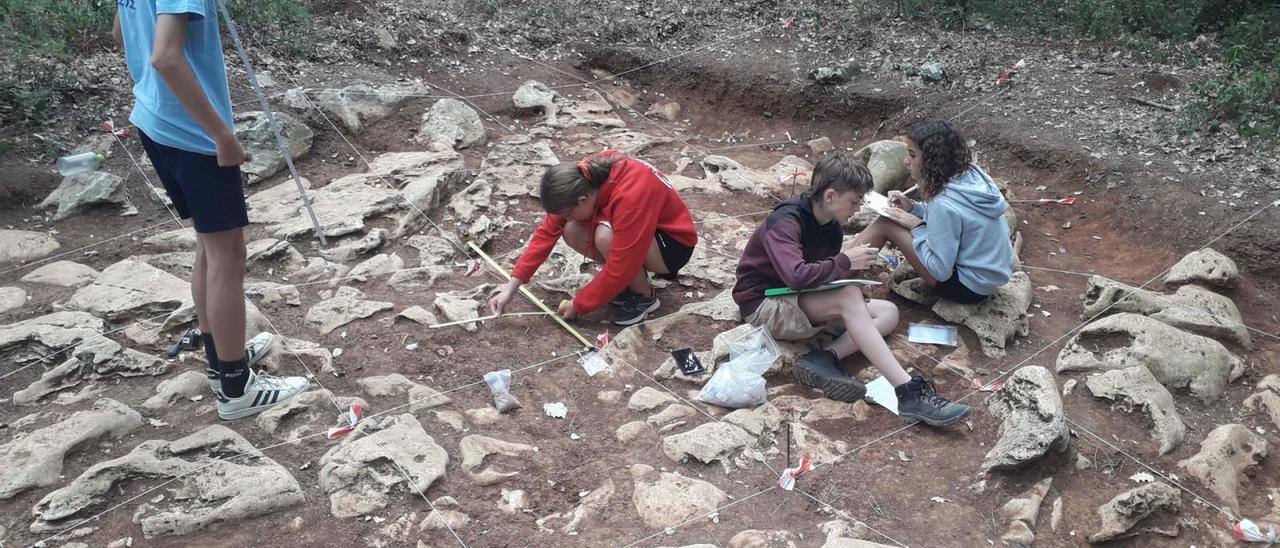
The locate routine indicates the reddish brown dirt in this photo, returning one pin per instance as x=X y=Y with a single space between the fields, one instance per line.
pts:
x=1139 y=239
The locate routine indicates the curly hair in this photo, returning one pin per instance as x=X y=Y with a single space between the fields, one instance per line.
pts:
x=944 y=151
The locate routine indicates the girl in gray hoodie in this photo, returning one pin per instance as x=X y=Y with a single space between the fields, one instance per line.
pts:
x=955 y=237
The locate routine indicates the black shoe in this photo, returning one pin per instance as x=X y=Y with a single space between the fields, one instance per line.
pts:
x=635 y=309
x=918 y=401
x=623 y=297
x=819 y=369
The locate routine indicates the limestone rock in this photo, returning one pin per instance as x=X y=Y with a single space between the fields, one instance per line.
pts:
x=346 y=306
x=256 y=135
x=35 y=460
x=591 y=110
x=463 y=305
x=394 y=452
x=629 y=142
x=819 y=447
x=1033 y=420
x=1136 y=388
x=1177 y=359
x=419 y=315
x=421 y=397
x=1205 y=266
x=374 y=267
x=483 y=416
x=535 y=94
x=186 y=385
x=475 y=448
x=996 y=320
x=515 y=164
x=1192 y=308
x=757 y=421
x=126 y=363
x=1268 y=397
x=755 y=538
x=358 y=105
x=272 y=292
x=12 y=298
x=708 y=442
x=1022 y=512
x=673 y=412
x=451 y=123
x=130 y=288
x=444 y=516
x=215 y=488
x=670 y=499
x=433 y=250
x=648 y=399
x=20 y=246
x=80 y=192
x=47 y=334
x=1224 y=455
x=668 y=110
x=1130 y=507
x=178 y=239
x=886 y=162
x=632 y=431
x=735 y=176
x=62 y=273
x=584 y=513
x=371 y=241
x=315 y=408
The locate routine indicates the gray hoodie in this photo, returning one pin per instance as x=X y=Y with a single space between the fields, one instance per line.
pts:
x=965 y=232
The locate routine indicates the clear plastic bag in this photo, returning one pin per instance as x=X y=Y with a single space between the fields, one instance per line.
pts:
x=740 y=382
x=500 y=385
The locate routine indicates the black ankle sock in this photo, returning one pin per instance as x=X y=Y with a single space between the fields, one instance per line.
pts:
x=235 y=375
x=210 y=353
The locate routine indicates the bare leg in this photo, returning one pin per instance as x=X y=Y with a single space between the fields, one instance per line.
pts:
x=883 y=230
x=575 y=235
x=199 y=277
x=884 y=315
x=849 y=305
x=224 y=259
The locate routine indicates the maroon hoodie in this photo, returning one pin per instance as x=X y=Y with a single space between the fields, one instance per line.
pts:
x=789 y=249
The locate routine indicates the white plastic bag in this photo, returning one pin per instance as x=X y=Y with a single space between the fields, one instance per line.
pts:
x=500 y=384
x=740 y=382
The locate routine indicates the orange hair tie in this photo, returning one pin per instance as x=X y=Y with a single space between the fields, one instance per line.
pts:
x=584 y=167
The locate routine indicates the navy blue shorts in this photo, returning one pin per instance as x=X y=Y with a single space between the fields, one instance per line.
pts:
x=674 y=254
x=952 y=289
x=210 y=195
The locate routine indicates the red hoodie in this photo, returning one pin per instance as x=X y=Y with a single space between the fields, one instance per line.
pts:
x=637 y=201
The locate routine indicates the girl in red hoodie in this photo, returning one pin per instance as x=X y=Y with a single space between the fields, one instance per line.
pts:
x=617 y=209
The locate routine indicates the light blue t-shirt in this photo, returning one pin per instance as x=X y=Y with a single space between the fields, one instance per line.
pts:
x=156 y=110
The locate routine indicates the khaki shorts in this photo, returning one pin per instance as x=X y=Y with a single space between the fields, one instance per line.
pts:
x=784 y=318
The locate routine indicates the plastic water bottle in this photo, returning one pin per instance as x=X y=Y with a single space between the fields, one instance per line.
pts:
x=77 y=164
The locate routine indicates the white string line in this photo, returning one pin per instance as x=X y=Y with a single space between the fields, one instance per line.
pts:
x=1168 y=300
x=704 y=515
x=82 y=248
x=41 y=359
x=409 y=479
x=849 y=517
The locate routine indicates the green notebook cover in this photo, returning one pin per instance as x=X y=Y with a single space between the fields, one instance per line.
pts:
x=824 y=287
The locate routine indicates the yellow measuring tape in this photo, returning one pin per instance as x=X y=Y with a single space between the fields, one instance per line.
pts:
x=533 y=298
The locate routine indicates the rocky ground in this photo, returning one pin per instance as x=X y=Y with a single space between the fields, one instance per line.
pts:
x=1109 y=407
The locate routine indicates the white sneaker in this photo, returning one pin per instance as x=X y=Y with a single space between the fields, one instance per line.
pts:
x=254 y=350
x=260 y=393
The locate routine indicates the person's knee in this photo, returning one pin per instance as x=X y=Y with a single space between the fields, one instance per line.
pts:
x=852 y=301
x=884 y=311
x=224 y=251
x=603 y=238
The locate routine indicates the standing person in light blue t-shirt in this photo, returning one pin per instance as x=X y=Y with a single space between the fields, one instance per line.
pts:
x=183 y=114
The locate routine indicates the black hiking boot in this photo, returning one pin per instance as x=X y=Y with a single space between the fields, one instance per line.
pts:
x=623 y=297
x=636 y=308
x=918 y=401
x=819 y=369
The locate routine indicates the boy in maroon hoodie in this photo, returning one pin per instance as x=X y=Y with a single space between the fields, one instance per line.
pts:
x=799 y=246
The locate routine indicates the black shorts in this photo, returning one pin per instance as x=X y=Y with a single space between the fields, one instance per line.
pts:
x=952 y=289
x=210 y=195
x=674 y=254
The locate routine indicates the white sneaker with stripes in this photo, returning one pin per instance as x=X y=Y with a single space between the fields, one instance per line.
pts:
x=254 y=350
x=260 y=393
